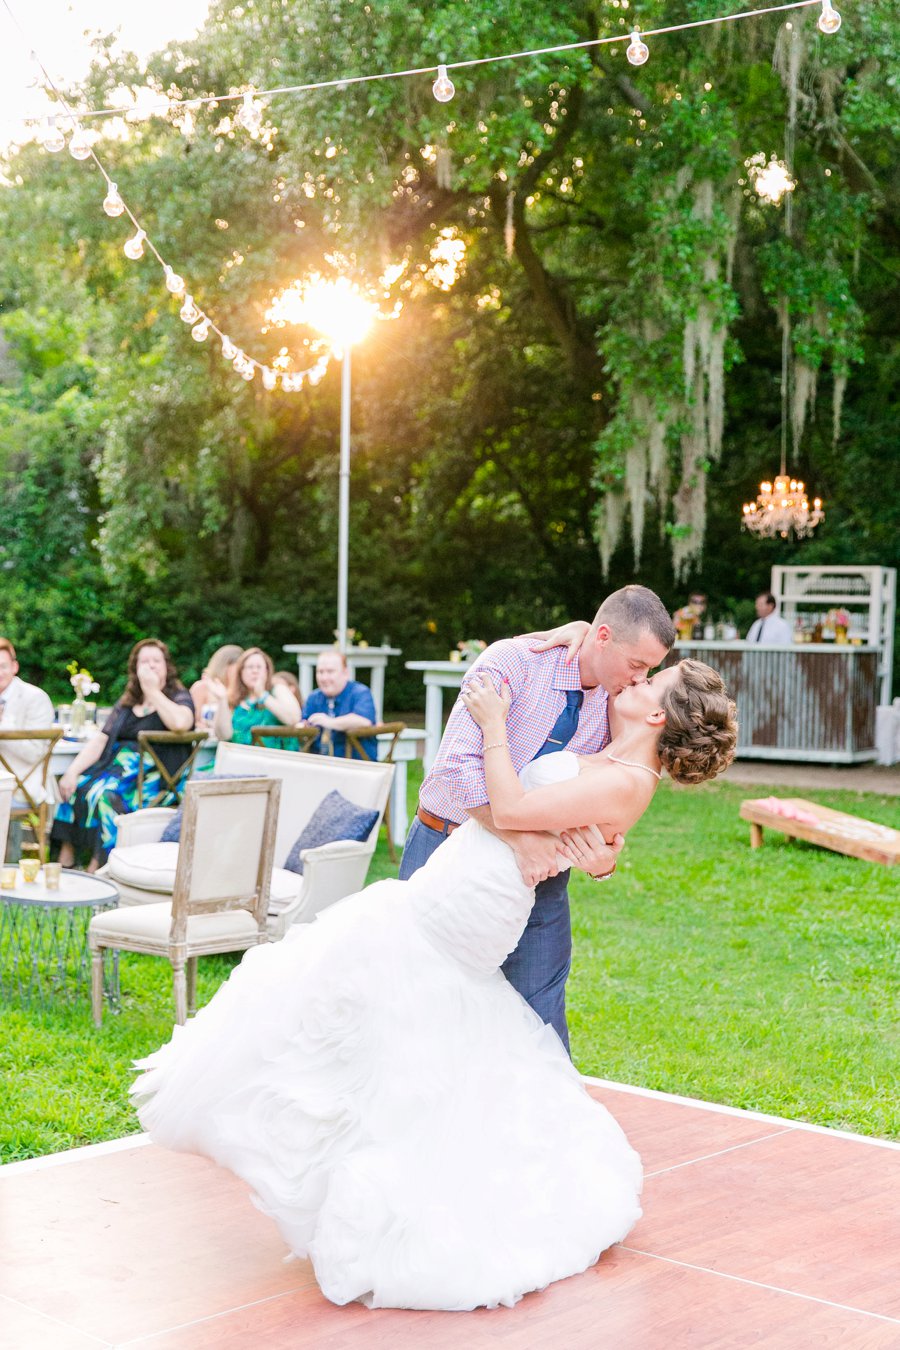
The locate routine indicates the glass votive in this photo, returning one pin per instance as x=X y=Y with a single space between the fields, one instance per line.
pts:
x=30 y=867
x=52 y=874
x=8 y=878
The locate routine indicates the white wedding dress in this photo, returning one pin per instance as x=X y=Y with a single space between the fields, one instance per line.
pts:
x=396 y=1107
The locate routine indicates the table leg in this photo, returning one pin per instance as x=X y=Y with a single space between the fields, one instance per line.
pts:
x=377 y=687
x=434 y=717
x=756 y=835
x=399 y=817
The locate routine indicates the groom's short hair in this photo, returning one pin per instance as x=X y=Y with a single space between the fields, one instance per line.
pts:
x=634 y=610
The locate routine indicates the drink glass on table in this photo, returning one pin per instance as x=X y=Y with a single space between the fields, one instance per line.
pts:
x=52 y=875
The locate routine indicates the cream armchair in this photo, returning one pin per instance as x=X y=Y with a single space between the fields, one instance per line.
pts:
x=221 y=887
x=143 y=868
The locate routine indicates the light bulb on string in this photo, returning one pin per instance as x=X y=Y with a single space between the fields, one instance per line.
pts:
x=239 y=362
x=829 y=21
x=53 y=140
x=200 y=331
x=133 y=248
x=250 y=115
x=229 y=350
x=249 y=371
x=443 y=87
x=174 y=282
x=80 y=144
x=269 y=378
x=189 y=312
x=112 y=202
x=637 y=51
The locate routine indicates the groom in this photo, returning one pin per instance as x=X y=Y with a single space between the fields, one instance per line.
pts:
x=557 y=703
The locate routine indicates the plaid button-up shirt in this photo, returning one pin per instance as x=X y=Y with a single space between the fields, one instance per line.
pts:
x=538 y=682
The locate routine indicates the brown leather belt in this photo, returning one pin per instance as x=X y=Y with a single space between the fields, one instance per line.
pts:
x=436 y=822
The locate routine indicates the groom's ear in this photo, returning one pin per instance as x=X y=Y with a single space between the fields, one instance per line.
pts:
x=603 y=634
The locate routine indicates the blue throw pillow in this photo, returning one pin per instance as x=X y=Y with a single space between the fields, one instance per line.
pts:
x=334 y=818
x=172 y=833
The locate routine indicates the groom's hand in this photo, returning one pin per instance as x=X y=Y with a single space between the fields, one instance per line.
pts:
x=535 y=854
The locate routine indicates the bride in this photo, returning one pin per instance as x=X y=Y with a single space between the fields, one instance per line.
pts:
x=405 y=1118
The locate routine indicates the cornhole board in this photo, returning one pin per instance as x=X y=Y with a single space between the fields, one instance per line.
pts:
x=843 y=833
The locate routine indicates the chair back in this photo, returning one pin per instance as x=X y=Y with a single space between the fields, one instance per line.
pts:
x=307 y=736
x=49 y=735
x=172 y=783
x=226 y=850
x=355 y=736
x=306 y=780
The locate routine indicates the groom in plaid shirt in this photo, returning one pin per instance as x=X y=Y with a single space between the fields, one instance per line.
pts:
x=557 y=703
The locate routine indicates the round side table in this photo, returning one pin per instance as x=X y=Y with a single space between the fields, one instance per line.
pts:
x=44 y=955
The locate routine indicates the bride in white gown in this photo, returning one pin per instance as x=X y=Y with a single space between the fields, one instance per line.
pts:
x=405 y=1118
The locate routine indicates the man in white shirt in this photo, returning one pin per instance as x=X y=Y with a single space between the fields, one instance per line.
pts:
x=768 y=626
x=23 y=706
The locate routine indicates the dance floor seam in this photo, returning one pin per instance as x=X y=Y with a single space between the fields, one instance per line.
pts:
x=759 y=1284
x=756 y=1231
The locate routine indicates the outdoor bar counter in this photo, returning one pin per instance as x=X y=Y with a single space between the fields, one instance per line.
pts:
x=811 y=701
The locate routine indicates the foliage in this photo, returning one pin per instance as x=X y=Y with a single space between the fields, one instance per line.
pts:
x=609 y=348
x=765 y=980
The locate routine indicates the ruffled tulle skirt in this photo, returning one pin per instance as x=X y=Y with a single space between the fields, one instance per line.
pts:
x=410 y=1125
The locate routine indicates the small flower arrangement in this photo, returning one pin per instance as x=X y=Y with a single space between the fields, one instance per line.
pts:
x=837 y=618
x=81 y=680
x=354 y=638
x=470 y=648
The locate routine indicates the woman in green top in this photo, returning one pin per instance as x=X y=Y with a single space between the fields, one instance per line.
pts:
x=251 y=701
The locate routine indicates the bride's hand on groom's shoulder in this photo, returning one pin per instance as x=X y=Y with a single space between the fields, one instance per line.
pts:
x=488 y=705
x=569 y=635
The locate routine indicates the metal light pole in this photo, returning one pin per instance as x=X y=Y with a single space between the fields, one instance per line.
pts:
x=344 y=501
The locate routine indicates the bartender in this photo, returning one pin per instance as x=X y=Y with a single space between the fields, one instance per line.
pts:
x=768 y=626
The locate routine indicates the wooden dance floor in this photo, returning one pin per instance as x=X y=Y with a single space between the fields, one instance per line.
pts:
x=756 y=1232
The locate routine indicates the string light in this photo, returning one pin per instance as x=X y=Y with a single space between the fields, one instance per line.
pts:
x=174 y=282
x=250 y=115
x=53 y=140
x=200 y=331
x=112 y=202
x=829 y=21
x=637 y=51
x=443 y=87
x=134 y=248
x=80 y=144
x=229 y=350
x=269 y=378
x=189 y=312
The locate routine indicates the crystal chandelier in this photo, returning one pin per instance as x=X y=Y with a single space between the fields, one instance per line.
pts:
x=782 y=508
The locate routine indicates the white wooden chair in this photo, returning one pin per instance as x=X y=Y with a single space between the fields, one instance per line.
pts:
x=221 y=891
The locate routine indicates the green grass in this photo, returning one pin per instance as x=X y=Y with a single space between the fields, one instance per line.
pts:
x=763 y=979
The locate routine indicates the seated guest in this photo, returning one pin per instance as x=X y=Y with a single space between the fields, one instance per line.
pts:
x=768 y=626
x=217 y=668
x=101 y=783
x=250 y=700
x=23 y=706
x=290 y=681
x=339 y=704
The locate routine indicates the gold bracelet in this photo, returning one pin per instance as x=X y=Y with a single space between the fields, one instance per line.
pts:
x=602 y=876
x=495 y=745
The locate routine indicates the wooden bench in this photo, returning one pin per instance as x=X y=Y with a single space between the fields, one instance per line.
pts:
x=843 y=833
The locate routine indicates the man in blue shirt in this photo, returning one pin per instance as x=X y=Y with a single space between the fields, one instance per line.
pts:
x=339 y=704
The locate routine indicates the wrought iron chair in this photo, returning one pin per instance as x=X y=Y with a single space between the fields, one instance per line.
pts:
x=24 y=806
x=354 y=743
x=173 y=783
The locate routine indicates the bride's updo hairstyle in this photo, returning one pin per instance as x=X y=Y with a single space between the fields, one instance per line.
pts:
x=700 y=733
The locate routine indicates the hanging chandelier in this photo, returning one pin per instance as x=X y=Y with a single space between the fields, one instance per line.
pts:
x=782 y=508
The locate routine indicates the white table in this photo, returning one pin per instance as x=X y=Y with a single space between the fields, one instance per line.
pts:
x=374 y=659
x=438 y=676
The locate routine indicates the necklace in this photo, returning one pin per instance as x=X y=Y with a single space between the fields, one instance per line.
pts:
x=632 y=764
